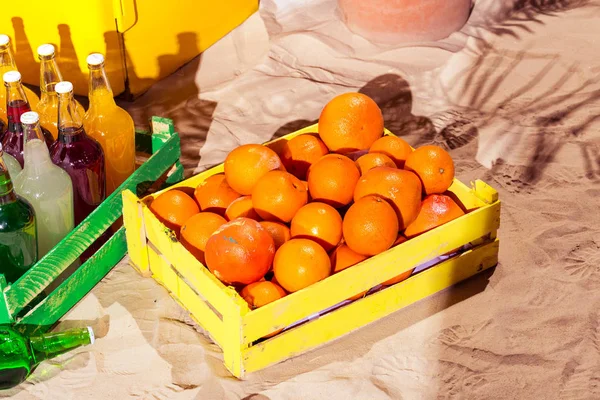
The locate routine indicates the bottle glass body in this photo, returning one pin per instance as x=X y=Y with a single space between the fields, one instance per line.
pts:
x=48 y=189
x=112 y=127
x=18 y=233
x=19 y=354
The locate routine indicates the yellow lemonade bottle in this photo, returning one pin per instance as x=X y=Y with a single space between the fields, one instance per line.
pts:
x=7 y=63
x=49 y=76
x=110 y=125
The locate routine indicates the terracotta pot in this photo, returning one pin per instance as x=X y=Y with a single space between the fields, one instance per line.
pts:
x=397 y=21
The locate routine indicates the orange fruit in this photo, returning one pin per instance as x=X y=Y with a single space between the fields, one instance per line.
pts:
x=173 y=208
x=401 y=239
x=301 y=152
x=401 y=188
x=215 y=194
x=350 y=122
x=280 y=232
x=241 y=207
x=246 y=164
x=196 y=231
x=299 y=263
x=436 y=210
x=240 y=252
x=369 y=161
x=370 y=226
x=434 y=166
x=394 y=147
x=343 y=257
x=278 y=195
x=332 y=180
x=258 y=294
x=319 y=222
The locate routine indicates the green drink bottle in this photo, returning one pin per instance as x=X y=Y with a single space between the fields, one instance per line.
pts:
x=20 y=354
x=18 y=232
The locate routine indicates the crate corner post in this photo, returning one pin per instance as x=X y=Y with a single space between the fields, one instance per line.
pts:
x=135 y=232
x=233 y=344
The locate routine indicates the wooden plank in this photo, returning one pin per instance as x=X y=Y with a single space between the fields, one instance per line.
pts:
x=5 y=316
x=33 y=282
x=371 y=308
x=69 y=292
x=224 y=299
x=370 y=272
x=135 y=232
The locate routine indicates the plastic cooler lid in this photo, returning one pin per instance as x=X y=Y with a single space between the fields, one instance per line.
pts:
x=30 y=117
x=12 y=76
x=63 y=87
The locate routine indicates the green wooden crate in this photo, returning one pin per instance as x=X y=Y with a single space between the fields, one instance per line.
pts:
x=56 y=283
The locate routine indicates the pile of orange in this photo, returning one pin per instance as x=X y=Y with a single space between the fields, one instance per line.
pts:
x=325 y=202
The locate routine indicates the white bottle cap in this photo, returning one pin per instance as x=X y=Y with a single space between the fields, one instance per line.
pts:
x=63 y=87
x=4 y=40
x=92 y=335
x=12 y=76
x=95 y=59
x=30 y=117
x=45 y=50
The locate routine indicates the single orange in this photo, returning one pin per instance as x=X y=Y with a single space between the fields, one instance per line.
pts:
x=401 y=239
x=434 y=167
x=240 y=252
x=246 y=164
x=301 y=152
x=369 y=161
x=215 y=194
x=401 y=188
x=332 y=180
x=280 y=232
x=241 y=207
x=173 y=208
x=343 y=257
x=197 y=230
x=394 y=147
x=259 y=294
x=299 y=263
x=350 y=122
x=370 y=226
x=436 y=210
x=319 y=222
x=278 y=195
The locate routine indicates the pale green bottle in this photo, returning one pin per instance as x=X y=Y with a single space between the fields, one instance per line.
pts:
x=46 y=186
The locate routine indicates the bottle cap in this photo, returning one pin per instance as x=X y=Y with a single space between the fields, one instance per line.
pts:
x=63 y=87
x=30 y=117
x=45 y=50
x=92 y=336
x=4 y=40
x=95 y=59
x=11 y=76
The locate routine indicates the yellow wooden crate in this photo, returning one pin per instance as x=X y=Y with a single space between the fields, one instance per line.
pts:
x=322 y=309
x=143 y=41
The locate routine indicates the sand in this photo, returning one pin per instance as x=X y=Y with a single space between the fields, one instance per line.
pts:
x=515 y=96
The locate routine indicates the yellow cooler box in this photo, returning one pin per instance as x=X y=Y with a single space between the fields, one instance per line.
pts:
x=143 y=40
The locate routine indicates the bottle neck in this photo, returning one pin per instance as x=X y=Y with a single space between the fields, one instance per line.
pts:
x=35 y=150
x=69 y=119
x=49 y=74
x=16 y=104
x=7 y=194
x=7 y=61
x=100 y=92
x=47 y=346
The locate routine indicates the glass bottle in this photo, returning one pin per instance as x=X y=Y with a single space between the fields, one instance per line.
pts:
x=16 y=105
x=20 y=354
x=13 y=166
x=18 y=243
x=78 y=154
x=49 y=76
x=7 y=63
x=47 y=187
x=110 y=125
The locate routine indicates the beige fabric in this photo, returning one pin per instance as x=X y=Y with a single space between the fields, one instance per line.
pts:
x=515 y=95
